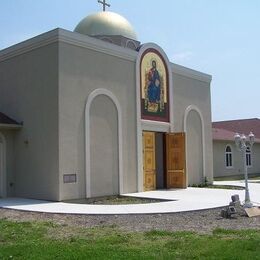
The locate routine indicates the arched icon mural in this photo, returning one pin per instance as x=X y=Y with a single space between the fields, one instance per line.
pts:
x=154 y=87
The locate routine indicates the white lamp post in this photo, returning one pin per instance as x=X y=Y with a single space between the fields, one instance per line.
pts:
x=242 y=143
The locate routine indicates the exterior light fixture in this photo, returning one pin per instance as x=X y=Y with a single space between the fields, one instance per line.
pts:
x=242 y=142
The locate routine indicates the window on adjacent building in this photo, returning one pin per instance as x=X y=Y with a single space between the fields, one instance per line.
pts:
x=248 y=157
x=228 y=157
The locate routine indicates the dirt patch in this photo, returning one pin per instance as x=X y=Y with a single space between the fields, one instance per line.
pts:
x=115 y=200
x=204 y=221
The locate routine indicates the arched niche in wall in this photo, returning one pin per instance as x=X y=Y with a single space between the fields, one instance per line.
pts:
x=103 y=142
x=195 y=146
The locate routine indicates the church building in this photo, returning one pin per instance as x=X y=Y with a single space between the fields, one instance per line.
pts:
x=94 y=112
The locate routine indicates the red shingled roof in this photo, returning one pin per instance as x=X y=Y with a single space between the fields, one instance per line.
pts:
x=4 y=119
x=222 y=134
x=243 y=126
x=225 y=130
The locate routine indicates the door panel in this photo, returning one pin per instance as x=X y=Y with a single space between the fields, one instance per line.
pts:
x=149 y=161
x=175 y=160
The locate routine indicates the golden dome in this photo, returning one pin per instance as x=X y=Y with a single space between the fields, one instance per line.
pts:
x=106 y=23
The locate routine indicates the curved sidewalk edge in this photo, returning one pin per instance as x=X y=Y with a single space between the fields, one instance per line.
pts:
x=182 y=200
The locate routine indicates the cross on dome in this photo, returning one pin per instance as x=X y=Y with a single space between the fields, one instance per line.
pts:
x=104 y=4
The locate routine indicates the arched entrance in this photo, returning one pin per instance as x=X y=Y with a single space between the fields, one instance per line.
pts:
x=103 y=144
x=194 y=128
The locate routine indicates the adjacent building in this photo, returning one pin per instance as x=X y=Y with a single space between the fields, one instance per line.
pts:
x=227 y=160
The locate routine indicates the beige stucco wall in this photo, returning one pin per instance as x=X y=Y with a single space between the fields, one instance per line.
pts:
x=255 y=159
x=82 y=70
x=196 y=93
x=29 y=94
x=104 y=153
x=194 y=149
x=220 y=169
x=47 y=88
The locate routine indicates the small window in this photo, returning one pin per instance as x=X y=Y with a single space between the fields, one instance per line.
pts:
x=248 y=157
x=228 y=157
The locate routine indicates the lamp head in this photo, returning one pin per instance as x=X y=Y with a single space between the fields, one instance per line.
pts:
x=237 y=139
x=243 y=138
x=251 y=137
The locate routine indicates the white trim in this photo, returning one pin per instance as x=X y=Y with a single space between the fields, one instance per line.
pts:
x=131 y=41
x=84 y=41
x=11 y=126
x=147 y=124
x=229 y=167
x=76 y=39
x=155 y=126
x=187 y=111
x=91 y=97
x=232 y=160
x=3 y=192
x=250 y=155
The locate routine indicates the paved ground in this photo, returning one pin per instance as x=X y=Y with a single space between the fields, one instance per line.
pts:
x=181 y=200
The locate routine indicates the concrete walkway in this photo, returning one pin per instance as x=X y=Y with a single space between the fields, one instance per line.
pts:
x=180 y=200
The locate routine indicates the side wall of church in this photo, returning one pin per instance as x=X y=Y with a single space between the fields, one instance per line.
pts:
x=28 y=87
x=195 y=93
x=82 y=71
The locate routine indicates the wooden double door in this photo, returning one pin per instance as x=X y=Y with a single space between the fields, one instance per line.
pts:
x=163 y=160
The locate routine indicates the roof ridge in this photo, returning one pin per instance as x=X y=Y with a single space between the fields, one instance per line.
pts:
x=4 y=119
x=234 y=120
x=219 y=128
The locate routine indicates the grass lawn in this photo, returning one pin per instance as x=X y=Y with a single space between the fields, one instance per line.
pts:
x=213 y=186
x=226 y=187
x=45 y=240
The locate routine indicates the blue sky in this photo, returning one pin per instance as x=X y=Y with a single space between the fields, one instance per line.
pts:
x=218 y=37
